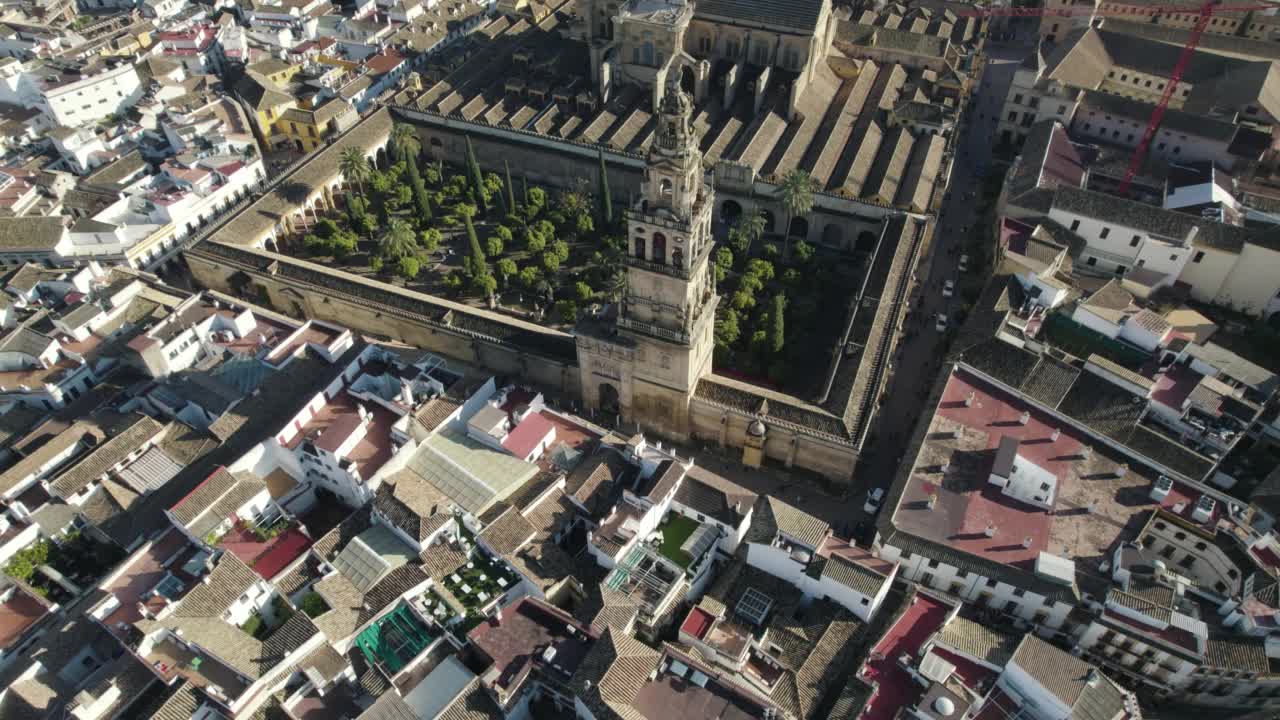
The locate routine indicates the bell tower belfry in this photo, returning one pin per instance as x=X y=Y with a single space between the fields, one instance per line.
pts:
x=665 y=322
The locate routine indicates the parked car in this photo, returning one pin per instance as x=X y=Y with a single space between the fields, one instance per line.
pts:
x=948 y=289
x=964 y=263
x=941 y=324
x=874 y=498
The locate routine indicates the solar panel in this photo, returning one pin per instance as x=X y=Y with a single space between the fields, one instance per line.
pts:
x=754 y=606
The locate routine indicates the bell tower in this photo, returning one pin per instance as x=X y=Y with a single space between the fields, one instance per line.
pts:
x=669 y=307
x=640 y=366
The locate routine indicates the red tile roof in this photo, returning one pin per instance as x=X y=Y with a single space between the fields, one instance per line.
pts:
x=895 y=688
x=17 y=614
x=697 y=623
x=384 y=63
x=1170 y=635
x=527 y=435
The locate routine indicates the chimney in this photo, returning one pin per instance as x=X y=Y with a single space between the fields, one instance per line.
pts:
x=1057 y=433
x=968 y=401
x=1026 y=542
x=1024 y=418
x=1122 y=470
x=931 y=501
x=990 y=531
x=945 y=467
x=1086 y=452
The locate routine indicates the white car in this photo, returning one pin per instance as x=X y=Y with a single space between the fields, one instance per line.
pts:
x=964 y=263
x=941 y=324
x=948 y=289
x=874 y=498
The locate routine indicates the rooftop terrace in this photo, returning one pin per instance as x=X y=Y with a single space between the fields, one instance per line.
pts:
x=1099 y=500
x=895 y=688
x=19 y=612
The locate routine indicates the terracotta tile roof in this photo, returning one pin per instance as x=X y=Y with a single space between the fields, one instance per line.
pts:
x=112 y=452
x=612 y=674
x=412 y=504
x=854 y=576
x=246 y=487
x=1074 y=682
x=229 y=579
x=204 y=496
x=508 y=532
x=435 y=411
x=988 y=644
x=1240 y=654
x=473 y=703
x=773 y=516
x=326 y=661
x=180 y=705
x=596 y=479
x=389 y=706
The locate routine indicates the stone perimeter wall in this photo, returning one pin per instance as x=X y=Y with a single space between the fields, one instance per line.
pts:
x=266 y=284
x=726 y=427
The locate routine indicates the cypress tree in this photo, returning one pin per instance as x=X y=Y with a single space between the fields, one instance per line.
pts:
x=524 y=186
x=502 y=202
x=422 y=201
x=777 y=333
x=477 y=179
x=606 y=202
x=510 y=189
x=478 y=265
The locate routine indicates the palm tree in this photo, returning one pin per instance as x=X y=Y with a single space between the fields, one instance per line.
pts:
x=752 y=226
x=354 y=167
x=615 y=286
x=400 y=240
x=405 y=140
x=796 y=192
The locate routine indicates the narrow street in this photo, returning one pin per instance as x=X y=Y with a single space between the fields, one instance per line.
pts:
x=921 y=352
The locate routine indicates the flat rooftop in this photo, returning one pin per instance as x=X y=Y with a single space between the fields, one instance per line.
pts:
x=18 y=613
x=683 y=689
x=522 y=638
x=895 y=688
x=335 y=422
x=1098 y=502
x=140 y=582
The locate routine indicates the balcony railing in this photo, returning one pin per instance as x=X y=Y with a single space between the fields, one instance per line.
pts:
x=654 y=330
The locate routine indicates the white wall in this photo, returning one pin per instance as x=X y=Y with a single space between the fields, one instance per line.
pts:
x=1085 y=317
x=95 y=97
x=971 y=588
x=1253 y=281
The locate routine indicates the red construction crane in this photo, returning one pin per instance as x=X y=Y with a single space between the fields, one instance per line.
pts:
x=1204 y=13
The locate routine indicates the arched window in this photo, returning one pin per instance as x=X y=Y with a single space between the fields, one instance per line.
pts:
x=648 y=54
x=677 y=257
x=659 y=254
x=664 y=189
x=730 y=211
x=639 y=248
